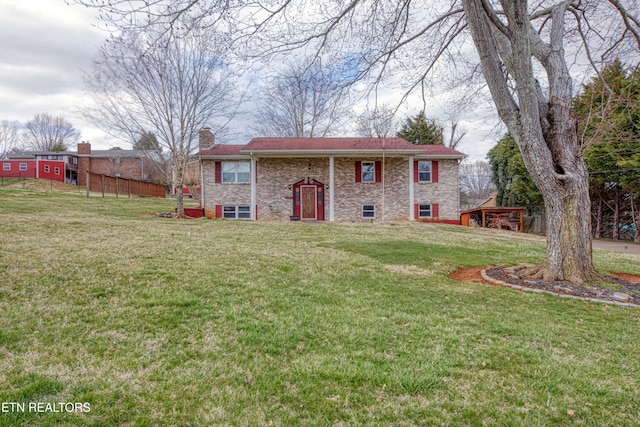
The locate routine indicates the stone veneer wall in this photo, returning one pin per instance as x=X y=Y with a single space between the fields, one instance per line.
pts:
x=273 y=195
x=444 y=192
x=221 y=194
x=390 y=197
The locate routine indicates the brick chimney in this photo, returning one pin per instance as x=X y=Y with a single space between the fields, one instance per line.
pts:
x=84 y=148
x=206 y=139
x=84 y=162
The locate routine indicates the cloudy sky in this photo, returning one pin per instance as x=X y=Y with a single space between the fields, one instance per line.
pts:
x=45 y=45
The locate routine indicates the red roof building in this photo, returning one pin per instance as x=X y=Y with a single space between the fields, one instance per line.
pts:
x=329 y=179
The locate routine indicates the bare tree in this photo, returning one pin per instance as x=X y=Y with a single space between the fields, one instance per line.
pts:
x=523 y=49
x=377 y=123
x=305 y=100
x=48 y=133
x=476 y=182
x=455 y=136
x=174 y=83
x=9 y=137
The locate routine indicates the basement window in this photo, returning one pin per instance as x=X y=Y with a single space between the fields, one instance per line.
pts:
x=368 y=211
x=425 y=211
x=236 y=212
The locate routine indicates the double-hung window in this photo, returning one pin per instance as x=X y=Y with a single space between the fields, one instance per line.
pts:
x=235 y=172
x=424 y=171
x=368 y=172
x=23 y=166
x=6 y=166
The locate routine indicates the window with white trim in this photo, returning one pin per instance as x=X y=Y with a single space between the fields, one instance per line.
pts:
x=368 y=211
x=368 y=172
x=6 y=166
x=236 y=212
x=424 y=171
x=47 y=169
x=235 y=171
x=56 y=171
x=23 y=166
x=425 y=211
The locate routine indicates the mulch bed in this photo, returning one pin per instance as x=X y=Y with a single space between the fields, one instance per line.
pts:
x=627 y=293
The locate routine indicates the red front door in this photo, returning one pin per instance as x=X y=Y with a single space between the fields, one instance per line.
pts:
x=309 y=202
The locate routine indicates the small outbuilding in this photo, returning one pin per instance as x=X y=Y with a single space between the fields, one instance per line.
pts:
x=506 y=218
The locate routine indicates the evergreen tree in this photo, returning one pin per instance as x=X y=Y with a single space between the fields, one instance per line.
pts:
x=513 y=182
x=608 y=111
x=420 y=130
x=148 y=142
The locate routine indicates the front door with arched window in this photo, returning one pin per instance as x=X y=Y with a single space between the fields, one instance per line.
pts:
x=308 y=200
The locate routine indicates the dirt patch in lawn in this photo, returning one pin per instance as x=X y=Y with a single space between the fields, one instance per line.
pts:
x=624 y=276
x=470 y=274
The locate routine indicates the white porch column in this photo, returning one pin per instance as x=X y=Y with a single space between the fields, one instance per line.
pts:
x=252 y=175
x=332 y=194
x=203 y=202
x=412 y=202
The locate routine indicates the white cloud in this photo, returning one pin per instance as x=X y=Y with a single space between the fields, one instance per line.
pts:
x=44 y=45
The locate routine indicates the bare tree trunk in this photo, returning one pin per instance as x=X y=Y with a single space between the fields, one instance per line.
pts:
x=636 y=220
x=178 y=182
x=599 y=218
x=568 y=214
x=179 y=202
x=615 y=228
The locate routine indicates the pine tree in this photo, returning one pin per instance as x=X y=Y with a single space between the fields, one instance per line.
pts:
x=420 y=130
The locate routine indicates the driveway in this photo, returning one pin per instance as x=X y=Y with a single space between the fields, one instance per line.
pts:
x=607 y=245
x=611 y=245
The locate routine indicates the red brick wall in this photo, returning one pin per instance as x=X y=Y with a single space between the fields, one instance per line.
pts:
x=124 y=167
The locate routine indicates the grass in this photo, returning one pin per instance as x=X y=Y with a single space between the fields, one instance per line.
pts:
x=165 y=322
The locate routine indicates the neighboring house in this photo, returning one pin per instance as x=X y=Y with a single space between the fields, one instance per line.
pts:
x=131 y=164
x=56 y=166
x=71 y=167
x=329 y=179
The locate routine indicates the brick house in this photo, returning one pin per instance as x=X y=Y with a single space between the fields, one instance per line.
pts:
x=131 y=164
x=332 y=179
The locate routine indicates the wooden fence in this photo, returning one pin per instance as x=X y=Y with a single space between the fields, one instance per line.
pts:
x=107 y=184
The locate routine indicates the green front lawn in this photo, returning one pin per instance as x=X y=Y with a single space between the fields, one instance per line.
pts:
x=154 y=321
